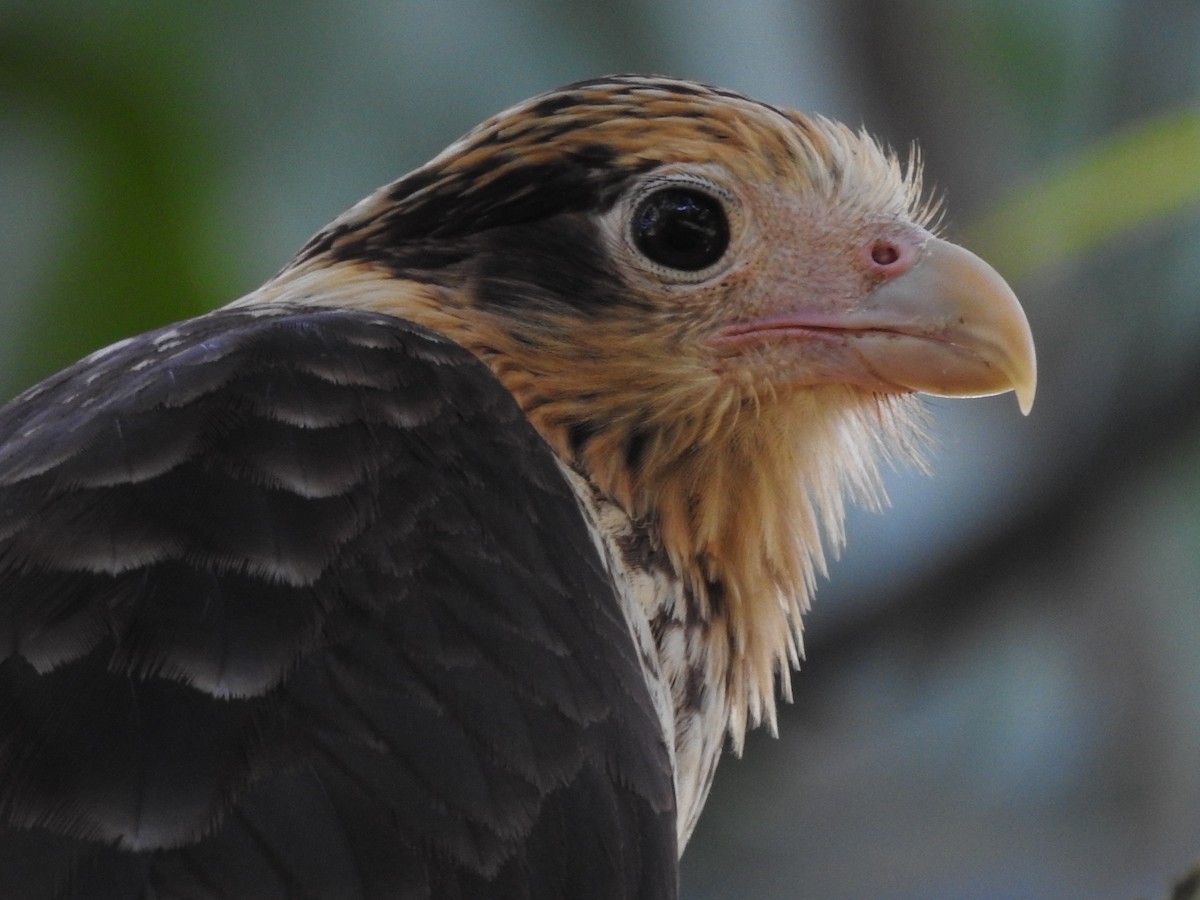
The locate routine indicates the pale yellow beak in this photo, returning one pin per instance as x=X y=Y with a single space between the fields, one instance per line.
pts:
x=950 y=326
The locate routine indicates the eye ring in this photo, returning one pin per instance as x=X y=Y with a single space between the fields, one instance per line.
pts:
x=681 y=227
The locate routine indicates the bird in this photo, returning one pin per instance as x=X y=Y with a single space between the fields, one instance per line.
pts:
x=450 y=561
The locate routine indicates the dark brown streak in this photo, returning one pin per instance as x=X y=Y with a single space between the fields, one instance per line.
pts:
x=635 y=449
x=558 y=264
x=641 y=551
x=696 y=688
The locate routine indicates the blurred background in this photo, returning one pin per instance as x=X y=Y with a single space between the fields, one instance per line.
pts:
x=1002 y=692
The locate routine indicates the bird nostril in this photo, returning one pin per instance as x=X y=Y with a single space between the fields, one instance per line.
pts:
x=885 y=253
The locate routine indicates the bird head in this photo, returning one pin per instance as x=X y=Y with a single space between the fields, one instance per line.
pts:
x=716 y=311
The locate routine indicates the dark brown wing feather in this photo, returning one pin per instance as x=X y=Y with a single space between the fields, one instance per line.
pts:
x=296 y=604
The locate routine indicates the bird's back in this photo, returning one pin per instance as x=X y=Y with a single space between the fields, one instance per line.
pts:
x=296 y=603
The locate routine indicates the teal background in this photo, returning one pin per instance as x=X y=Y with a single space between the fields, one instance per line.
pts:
x=1003 y=680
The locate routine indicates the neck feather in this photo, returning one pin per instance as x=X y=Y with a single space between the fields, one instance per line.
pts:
x=740 y=483
x=744 y=502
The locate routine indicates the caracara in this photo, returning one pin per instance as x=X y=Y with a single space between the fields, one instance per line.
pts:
x=446 y=563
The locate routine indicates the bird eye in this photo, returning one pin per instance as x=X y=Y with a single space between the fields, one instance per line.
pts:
x=681 y=228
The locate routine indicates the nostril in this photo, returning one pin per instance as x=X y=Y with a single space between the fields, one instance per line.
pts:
x=885 y=253
x=891 y=256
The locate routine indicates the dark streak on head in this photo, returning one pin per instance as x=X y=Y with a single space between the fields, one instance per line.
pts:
x=557 y=102
x=485 y=184
x=540 y=163
x=629 y=84
x=557 y=264
x=433 y=221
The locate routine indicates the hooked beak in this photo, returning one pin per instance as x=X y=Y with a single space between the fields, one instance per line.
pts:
x=951 y=327
x=948 y=326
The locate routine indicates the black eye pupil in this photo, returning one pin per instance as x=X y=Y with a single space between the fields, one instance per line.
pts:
x=681 y=229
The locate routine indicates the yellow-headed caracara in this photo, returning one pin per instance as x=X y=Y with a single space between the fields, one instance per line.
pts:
x=444 y=564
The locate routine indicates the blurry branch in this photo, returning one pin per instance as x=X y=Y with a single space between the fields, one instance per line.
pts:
x=1147 y=173
x=1188 y=888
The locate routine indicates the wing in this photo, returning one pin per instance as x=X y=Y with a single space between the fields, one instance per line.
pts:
x=296 y=604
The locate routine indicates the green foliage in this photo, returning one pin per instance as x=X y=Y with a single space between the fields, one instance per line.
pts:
x=140 y=157
x=1145 y=174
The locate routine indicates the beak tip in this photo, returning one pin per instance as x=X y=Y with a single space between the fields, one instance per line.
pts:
x=1025 y=382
